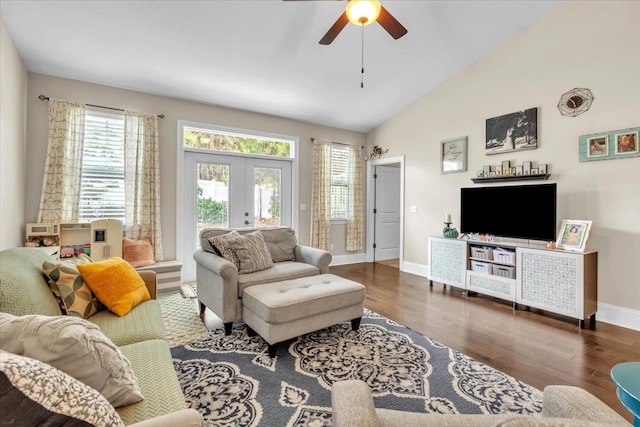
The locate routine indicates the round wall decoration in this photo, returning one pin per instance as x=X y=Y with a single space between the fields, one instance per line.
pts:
x=575 y=102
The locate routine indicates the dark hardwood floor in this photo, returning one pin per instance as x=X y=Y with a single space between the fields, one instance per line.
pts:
x=538 y=348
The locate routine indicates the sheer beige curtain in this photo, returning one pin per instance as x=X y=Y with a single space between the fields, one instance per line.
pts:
x=60 y=198
x=354 y=223
x=321 y=195
x=142 y=179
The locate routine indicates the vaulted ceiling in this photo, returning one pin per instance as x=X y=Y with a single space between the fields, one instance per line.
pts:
x=263 y=55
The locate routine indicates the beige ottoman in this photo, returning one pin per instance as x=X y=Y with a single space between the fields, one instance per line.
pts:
x=283 y=310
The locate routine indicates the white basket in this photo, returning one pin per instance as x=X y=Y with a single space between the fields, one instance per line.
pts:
x=504 y=271
x=481 y=267
x=506 y=257
x=481 y=253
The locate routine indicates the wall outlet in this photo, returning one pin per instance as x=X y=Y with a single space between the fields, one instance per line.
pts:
x=414 y=209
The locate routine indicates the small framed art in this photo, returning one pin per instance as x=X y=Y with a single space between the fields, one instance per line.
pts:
x=626 y=143
x=610 y=145
x=598 y=146
x=573 y=235
x=453 y=155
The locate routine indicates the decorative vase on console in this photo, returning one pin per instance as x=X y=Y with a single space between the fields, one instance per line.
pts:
x=449 y=232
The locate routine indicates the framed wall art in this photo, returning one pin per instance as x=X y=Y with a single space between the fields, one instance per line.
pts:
x=512 y=132
x=573 y=235
x=453 y=155
x=617 y=144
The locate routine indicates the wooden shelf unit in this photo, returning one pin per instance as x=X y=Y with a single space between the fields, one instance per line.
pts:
x=511 y=178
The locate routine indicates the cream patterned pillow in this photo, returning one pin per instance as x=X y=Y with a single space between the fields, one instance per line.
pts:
x=35 y=393
x=68 y=286
x=76 y=347
x=252 y=252
x=221 y=243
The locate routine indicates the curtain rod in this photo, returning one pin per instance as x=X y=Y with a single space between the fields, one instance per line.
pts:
x=337 y=143
x=46 y=98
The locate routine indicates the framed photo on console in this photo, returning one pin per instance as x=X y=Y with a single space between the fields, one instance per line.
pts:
x=573 y=235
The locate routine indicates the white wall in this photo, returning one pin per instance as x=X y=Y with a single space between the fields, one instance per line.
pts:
x=13 y=125
x=593 y=45
x=174 y=110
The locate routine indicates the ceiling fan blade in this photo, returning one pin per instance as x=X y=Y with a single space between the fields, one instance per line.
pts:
x=335 y=29
x=391 y=24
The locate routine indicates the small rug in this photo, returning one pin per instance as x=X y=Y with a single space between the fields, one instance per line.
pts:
x=188 y=290
x=181 y=322
x=232 y=381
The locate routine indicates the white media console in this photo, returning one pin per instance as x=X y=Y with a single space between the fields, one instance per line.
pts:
x=552 y=280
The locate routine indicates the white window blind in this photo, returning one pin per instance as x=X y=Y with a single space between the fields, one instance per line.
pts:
x=102 y=187
x=339 y=182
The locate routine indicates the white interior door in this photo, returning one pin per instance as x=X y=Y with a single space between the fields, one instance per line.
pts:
x=387 y=216
x=230 y=191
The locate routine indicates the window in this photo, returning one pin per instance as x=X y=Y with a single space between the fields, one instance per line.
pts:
x=339 y=183
x=220 y=140
x=102 y=181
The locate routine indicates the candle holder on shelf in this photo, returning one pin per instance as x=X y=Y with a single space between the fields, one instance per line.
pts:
x=449 y=232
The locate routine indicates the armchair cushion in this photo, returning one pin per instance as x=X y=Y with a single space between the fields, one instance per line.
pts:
x=221 y=243
x=76 y=347
x=252 y=252
x=116 y=284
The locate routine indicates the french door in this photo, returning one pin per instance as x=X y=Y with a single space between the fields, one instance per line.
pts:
x=231 y=191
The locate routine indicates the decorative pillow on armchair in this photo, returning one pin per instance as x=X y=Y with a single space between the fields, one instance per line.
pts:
x=34 y=393
x=221 y=244
x=116 y=284
x=68 y=286
x=138 y=253
x=76 y=347
x=252 y=252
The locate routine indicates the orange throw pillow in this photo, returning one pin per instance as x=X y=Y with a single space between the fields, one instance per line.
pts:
x=116 y=284
x=138 y=253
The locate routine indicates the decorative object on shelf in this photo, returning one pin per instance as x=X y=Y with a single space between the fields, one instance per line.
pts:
x=377 y=152
x=453 y=155
x=542 y=168
x=526 y=168
x=551 y=245
x=474 y=236
x=573 y=235
x=512 y=132
x=490 y=237
x=449 y=232
x=487 y=171
x=609 y=145
x=534 y=171
x=575 y=102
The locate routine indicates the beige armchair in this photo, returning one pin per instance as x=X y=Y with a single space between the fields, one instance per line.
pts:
x=220 y=285
x=352 y=405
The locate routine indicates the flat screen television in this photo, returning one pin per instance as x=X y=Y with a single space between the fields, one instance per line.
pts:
x=519 y=211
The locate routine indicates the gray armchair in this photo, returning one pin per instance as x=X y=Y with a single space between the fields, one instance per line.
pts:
x=220 y=285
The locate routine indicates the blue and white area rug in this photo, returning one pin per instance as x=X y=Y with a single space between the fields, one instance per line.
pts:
x=232 y=381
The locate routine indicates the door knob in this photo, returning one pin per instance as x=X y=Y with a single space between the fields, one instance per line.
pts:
x=246 y=214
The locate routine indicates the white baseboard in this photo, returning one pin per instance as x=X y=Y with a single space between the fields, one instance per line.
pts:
x=619 y=316
x=415 y=268
x=607 y=313
x=349 y=259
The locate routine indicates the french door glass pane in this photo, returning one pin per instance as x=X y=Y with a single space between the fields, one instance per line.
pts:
x=212 y=197
x=268 y=196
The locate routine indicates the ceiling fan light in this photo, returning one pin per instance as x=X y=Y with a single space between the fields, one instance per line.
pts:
x=363 y=12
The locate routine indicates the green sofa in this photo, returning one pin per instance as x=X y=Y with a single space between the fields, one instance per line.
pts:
x=139 y=335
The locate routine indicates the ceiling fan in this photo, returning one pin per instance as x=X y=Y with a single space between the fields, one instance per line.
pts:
x=361 y=13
